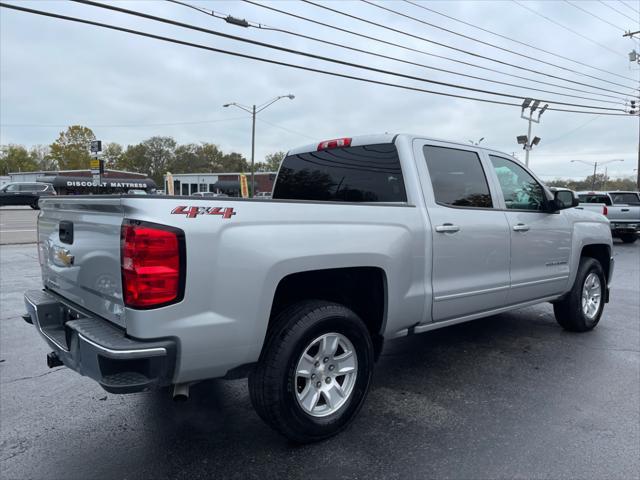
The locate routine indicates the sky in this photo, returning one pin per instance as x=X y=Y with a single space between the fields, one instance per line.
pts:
x=127 y=88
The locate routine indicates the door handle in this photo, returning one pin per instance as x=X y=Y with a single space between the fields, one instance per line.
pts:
x=447 y=228
x=624 y=209
x=521 y=227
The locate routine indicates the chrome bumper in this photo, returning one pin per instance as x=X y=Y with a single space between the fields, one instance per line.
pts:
x=96 y=348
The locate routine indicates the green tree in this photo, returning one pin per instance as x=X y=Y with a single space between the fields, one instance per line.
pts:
x=193 y=158
x=112 y=154
x=161 y=154
x=234 y=162
x=134 y=159
x=271 y=162
x=72 y=148
x=153 y=157
x=16 y=158
x=41 y=154
x=211 y=156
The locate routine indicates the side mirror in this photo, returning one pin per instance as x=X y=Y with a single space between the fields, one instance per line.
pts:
x=563 y=199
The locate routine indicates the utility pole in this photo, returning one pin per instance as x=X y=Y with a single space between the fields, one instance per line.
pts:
x=525 y=140
x=253 y=152
x=634 y=57
x=254 y=110
x=595 y=170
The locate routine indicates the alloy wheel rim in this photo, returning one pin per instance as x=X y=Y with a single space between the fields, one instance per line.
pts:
x=591 y=296
x=326 y=374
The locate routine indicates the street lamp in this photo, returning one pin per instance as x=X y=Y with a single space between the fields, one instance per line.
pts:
x=595 y=167
x=524 y=139
x=254 y=110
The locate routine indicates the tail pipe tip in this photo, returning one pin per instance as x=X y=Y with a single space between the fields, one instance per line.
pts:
x=181 y=392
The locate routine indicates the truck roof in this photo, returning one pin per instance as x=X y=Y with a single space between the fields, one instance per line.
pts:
x=374 y=139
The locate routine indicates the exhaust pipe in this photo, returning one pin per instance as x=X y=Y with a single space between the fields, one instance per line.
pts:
x=181 y=392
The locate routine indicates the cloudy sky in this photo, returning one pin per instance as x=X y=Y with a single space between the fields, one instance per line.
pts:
x=127 y=88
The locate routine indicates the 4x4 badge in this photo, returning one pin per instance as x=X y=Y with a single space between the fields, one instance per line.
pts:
x=193 y=212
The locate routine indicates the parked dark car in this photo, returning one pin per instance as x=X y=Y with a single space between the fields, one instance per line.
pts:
x=25 y=193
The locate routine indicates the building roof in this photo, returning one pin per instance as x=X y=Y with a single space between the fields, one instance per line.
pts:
x=217 y=173
x=62 y=172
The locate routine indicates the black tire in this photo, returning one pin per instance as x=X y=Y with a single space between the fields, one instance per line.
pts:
x=628 y=237
x=272 y=385
x=568 y=311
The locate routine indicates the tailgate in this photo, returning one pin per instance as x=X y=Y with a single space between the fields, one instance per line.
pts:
x=624 y=213
x=79 y=248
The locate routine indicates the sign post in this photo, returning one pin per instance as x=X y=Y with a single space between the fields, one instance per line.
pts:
x=97 y=165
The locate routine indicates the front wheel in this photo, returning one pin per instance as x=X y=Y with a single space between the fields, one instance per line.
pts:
x=314 y=371
x=628 y=237
x=580 y=310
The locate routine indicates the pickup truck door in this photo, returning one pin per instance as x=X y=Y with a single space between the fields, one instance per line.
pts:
x=540 y=241
x=470 y=238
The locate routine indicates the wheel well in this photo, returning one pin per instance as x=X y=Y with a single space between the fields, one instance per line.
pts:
x=600 y=252
x=362 y=289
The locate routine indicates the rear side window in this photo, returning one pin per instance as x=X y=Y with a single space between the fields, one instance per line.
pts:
x=369 y=173
x=592 y=198
x=457 y=177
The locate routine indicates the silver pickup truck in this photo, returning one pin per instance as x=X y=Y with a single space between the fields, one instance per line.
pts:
x=366 y=239
x=621 y=208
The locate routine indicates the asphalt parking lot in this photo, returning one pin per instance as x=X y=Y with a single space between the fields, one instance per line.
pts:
x=510 y=396
x=17 y=225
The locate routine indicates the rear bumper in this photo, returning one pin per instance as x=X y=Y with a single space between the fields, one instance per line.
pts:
x=97 y=349
x=625 y=227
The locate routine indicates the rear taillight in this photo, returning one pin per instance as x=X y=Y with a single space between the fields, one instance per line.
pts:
x=605 y=211
x=152 y=264
x=335 y=143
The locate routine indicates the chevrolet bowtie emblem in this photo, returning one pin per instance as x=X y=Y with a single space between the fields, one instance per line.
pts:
x=63 y=257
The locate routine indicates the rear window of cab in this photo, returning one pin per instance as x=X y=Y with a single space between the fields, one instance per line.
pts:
x=593 y=198
x=368 y=173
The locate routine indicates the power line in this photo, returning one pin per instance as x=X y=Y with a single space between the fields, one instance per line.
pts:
x=573 y=130
x=286 y=129
x=124 y=125
x=567 y=28
x=466 y=52
x=277 y=62
x=329 y=59
x=636 y=20
x=630 y=7
x=411 y=49
x=492 y=45
x=505 y=37
x=594 y=15
x=261 y=26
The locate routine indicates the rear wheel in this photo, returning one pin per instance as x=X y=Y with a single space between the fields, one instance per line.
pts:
x=628 y=237
x=314 y=371
x=582 y=307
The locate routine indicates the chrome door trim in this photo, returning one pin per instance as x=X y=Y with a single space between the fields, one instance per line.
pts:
x=469 y=294
x=536 y=282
